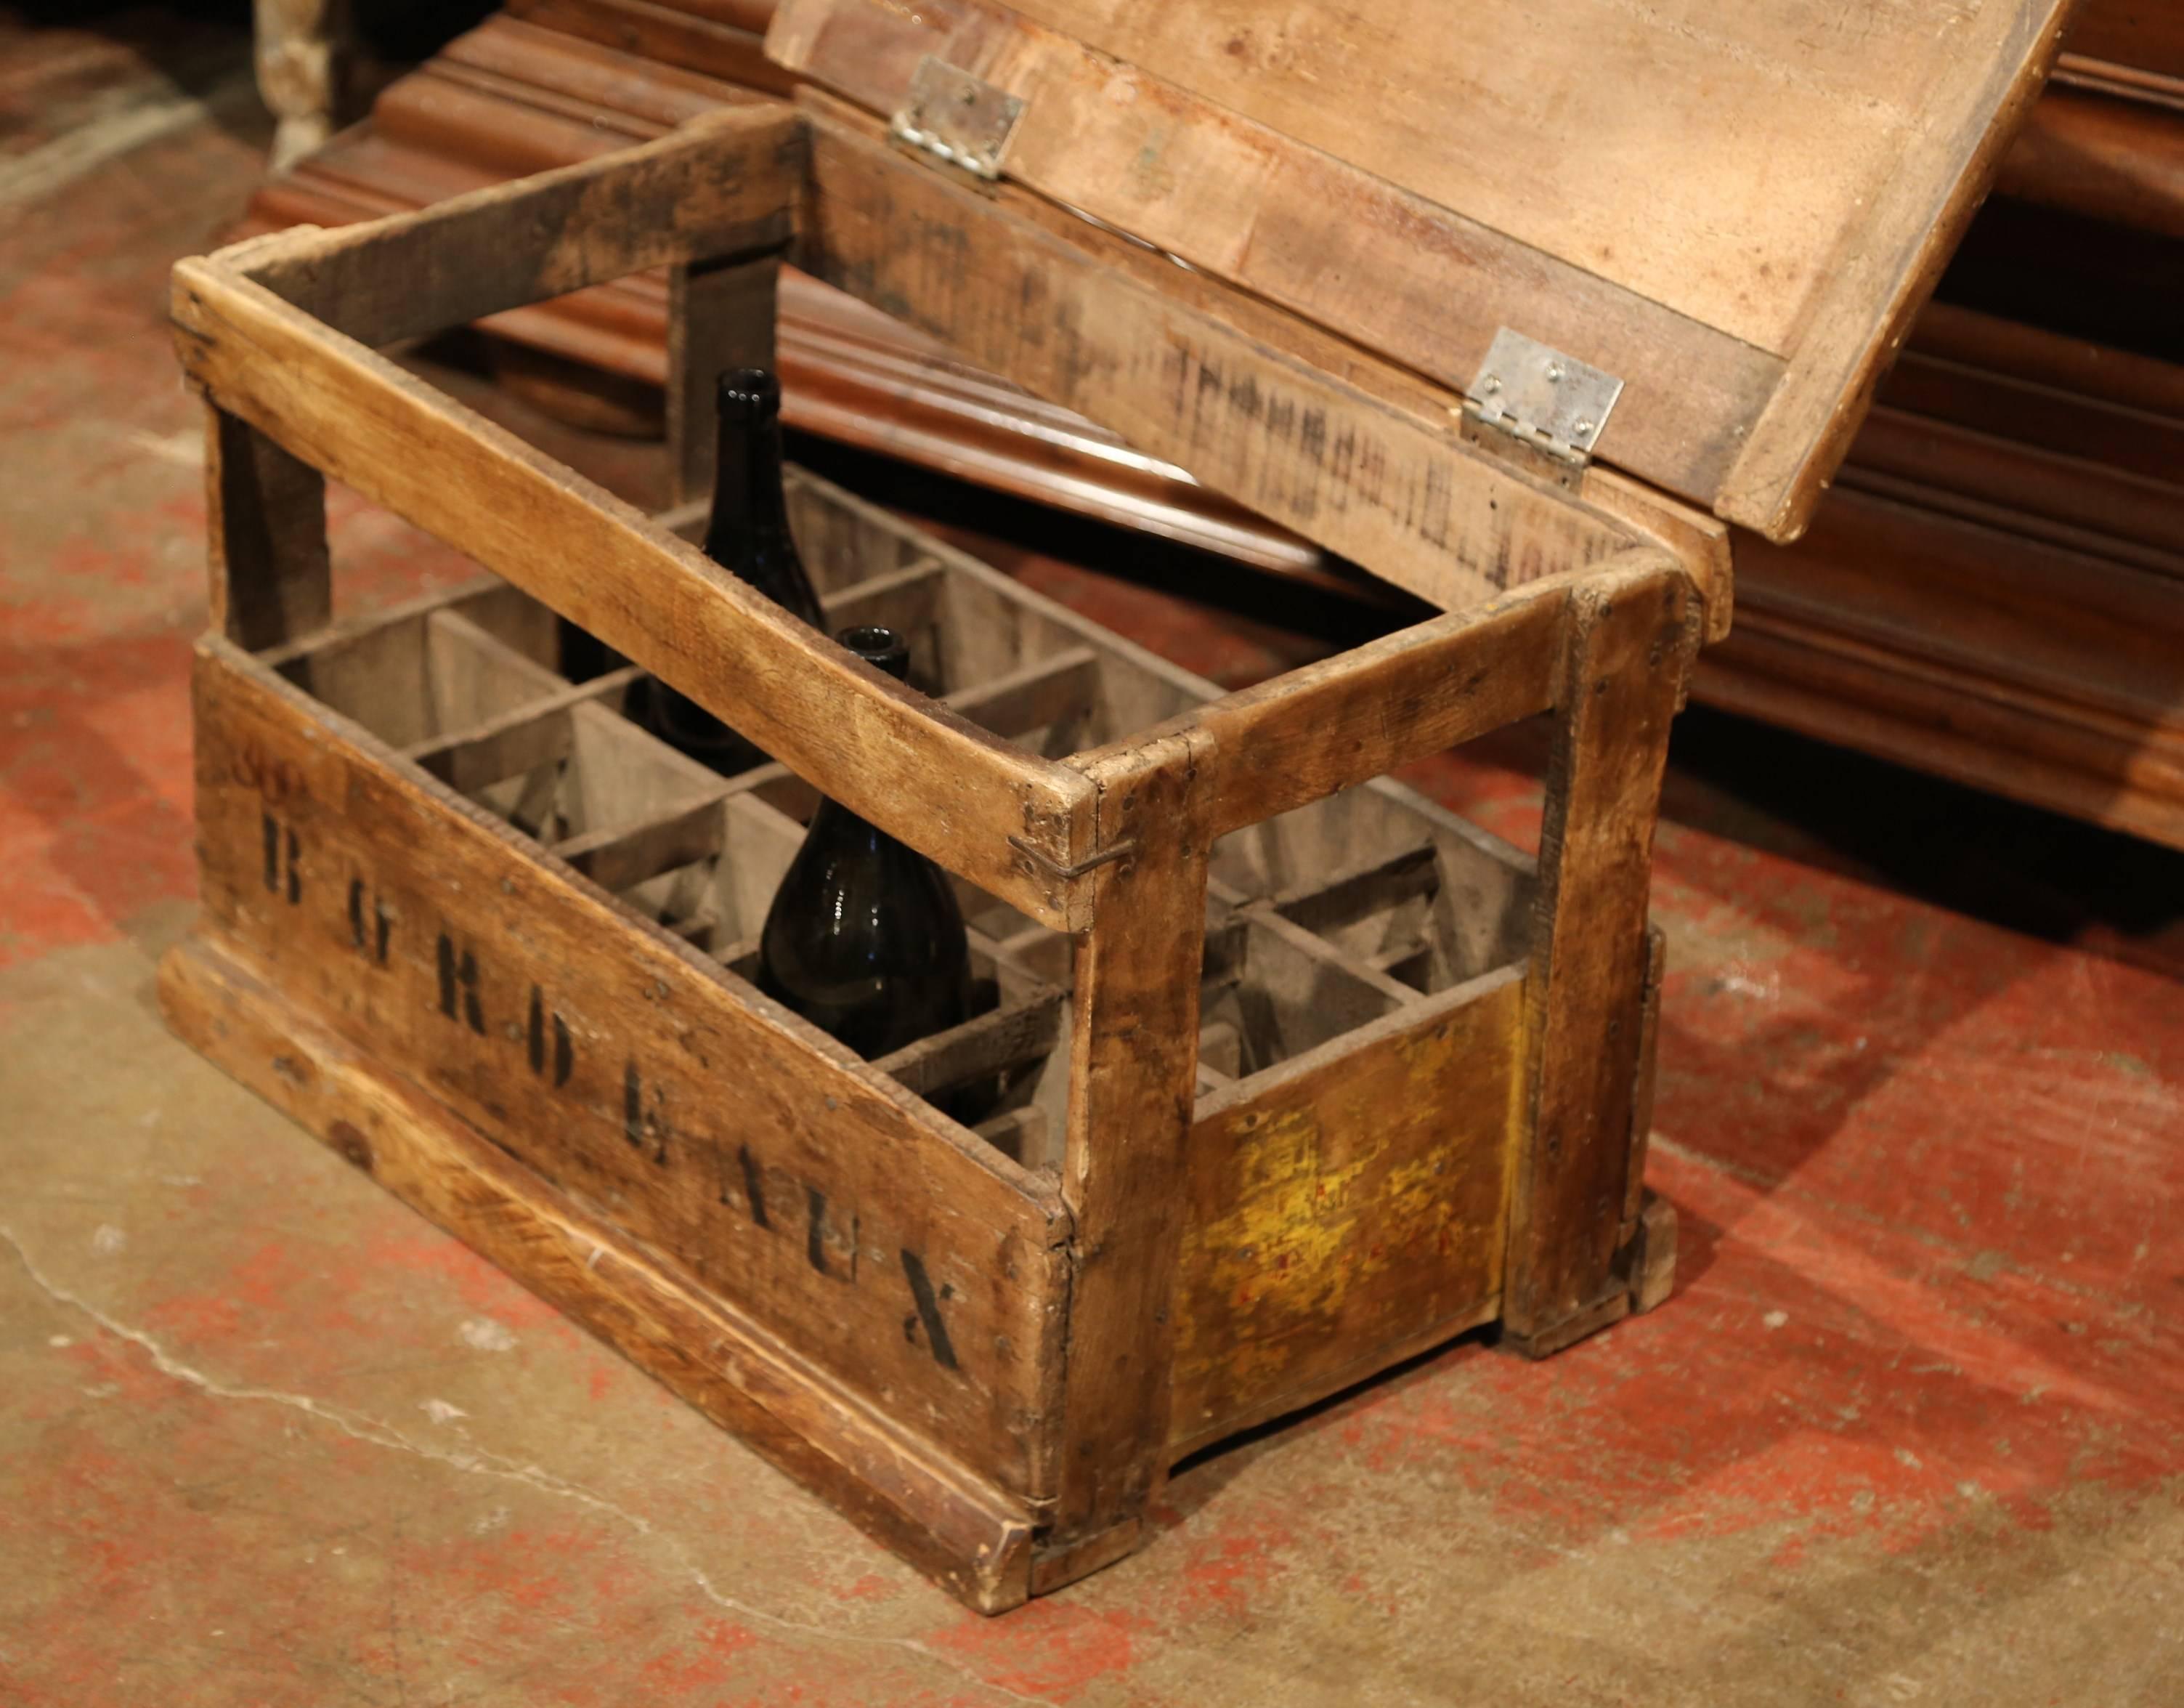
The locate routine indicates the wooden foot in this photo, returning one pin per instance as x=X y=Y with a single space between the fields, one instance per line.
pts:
x=1648 y=1258
x=935 y=1513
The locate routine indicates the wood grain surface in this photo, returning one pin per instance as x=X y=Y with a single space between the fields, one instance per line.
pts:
x=747 y=1149
x=943 y=785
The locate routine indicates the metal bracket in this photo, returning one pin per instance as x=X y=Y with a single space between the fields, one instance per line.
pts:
x=1554 y=402
x=960 y=118
x=1038 y=857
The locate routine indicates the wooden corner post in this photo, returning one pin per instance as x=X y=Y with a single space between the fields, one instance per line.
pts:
x=721 y=315
x=1133 y=1076
x=270 y=579
x=1629 y=640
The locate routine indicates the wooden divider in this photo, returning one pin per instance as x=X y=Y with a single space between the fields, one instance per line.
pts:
x=720 y=184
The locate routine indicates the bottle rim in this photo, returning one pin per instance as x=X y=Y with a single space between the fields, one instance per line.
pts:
x=880 y=647
x=757 y=389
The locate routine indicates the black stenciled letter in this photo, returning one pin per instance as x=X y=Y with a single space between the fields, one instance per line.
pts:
x=275 y=835
x=369 y=932
x=928 y=1309
x=459 y=977
x=565 y=1050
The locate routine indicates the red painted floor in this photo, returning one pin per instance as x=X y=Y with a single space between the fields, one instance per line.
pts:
x=1909 y=1431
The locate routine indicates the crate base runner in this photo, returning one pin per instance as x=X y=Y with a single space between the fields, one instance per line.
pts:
x=937 y=1515
x=945 y=1520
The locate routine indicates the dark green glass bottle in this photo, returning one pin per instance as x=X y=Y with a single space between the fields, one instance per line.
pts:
x=864 y=939
x=748 y=534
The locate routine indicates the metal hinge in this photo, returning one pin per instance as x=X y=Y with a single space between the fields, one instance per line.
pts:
x=1555 y=404
x=957 y=117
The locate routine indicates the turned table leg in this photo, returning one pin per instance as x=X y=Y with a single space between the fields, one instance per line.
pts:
x=304 y=50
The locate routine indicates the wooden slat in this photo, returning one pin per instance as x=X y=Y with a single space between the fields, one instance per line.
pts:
x=1133 y=1083
x=619 y=857
x=942 y=1517
x=721 y=315
x=1302 y=227
x=1629 y=650
x=1385 y=885
x=1010 y=706
x=1379 y=992
x=720 y=184
x=269 y=580
x=948 y=789
x=625 y=1068
x=1045 y=692
x=983 y=1044
x=1298 y=991
x=474 y=675
x=1017 y=1134
x=1164 y=357
x=1324 y=1242
x=541 y=732
x=1329 y=725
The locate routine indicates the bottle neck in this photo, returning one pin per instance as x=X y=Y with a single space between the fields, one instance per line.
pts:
x=837 y=826
x=749 y=503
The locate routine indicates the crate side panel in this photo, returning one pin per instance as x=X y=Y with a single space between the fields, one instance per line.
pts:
x=627 y=1071
x=938 y=1514
x=1339 y=1211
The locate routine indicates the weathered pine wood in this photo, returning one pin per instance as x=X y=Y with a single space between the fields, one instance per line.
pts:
x=269 y=578
x=1881 y=268
x=1347 y=1209
x=721 y=315
x=1653 y=1256
x=1158 y=353
x=1330 y=725
x=1539 y=119
x=936 y=1511
x=1339 y=245
x=1133 y=1070
x=776 y=1169
x=618 y=856
x=720 y=184
x=1414 y=187
x=1629 y=647
x=539 y=732
x=1021 y=1032
x=942 y=785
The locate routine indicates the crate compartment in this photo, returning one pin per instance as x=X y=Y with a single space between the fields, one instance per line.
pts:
x=470 y=687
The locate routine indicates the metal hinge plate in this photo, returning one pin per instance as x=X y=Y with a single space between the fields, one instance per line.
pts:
x=957 y=117
x=1554 y=404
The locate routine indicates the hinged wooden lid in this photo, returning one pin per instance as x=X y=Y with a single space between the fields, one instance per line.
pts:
x=1733 y=208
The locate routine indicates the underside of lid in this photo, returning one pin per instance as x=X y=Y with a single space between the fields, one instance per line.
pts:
x=1734 y=210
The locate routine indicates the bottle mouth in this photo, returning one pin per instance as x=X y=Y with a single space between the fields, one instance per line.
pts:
x=881 y=648
x=755 y=391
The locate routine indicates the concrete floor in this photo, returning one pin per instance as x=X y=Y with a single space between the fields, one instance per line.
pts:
x=1909 y=1431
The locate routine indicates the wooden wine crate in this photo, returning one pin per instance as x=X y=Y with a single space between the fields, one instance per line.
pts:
x=1290 y=1074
